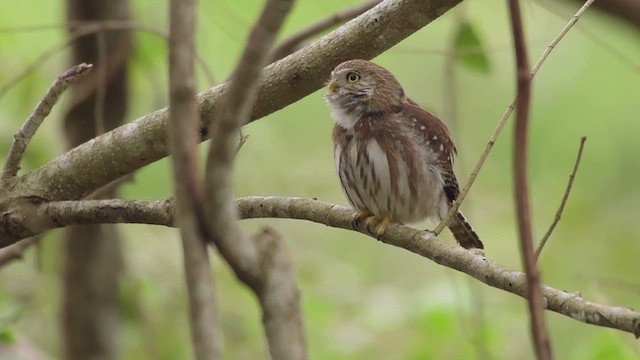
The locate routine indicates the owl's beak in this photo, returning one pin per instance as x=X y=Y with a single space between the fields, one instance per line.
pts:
x=332 y=87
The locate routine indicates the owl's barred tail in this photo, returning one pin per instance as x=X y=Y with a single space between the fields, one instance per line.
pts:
x=464 y=233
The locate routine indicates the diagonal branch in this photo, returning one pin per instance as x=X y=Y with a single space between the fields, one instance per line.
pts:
x=23 y=136
x=142 y=142
x=570 y=304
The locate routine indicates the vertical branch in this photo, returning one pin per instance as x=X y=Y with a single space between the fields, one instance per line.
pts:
x=184 y=138
x=261 y=263
x=534 y=291
x=93 y=256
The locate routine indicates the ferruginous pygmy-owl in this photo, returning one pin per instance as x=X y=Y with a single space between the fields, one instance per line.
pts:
x=394 y=159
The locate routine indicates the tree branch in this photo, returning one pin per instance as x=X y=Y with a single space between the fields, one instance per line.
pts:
x=184 y=136
x=541 y=341
x=261 y=263
x=570 y=304
x=23 y=136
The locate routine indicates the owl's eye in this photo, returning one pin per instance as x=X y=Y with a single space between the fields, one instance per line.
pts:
x=353 y=77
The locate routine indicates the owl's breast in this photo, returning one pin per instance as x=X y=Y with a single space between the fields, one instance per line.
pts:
x=384 y=170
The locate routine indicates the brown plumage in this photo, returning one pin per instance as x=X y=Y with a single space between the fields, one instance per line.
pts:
x=394 y=159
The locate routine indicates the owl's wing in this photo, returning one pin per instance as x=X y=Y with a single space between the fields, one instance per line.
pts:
x=434 y=134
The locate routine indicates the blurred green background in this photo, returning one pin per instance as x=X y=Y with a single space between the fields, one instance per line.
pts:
x=363 y=299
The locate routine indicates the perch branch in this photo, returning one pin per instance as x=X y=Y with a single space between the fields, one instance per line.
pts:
x=261 y=263
x=572 y=176
x=23 y=136
x=570 y=304
x=184 y=137
x=503 y=120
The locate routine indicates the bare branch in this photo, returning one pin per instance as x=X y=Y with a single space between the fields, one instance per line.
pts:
x=503 y=120
x=23 y=136
x=260 y=263
x=184 y=138
x=570 y=304
x=541 y=341
x=295 y=41
x=572 y=176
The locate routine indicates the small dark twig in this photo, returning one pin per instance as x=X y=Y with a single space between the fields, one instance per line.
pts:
x=23 y=136
x=542 y=344
x=295 y=41
x=572 y=176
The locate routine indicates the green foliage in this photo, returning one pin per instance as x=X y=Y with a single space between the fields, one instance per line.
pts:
x=469 y=49
x=7 y=337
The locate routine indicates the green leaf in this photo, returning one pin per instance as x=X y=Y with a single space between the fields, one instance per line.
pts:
x=469 y=50
x=7 y=337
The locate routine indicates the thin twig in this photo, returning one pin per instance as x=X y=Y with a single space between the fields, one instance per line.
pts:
x=16 y=251
x=101 y=86
x=539 y=332
x=161 y=212
x=261 y=263
x=572 y=176
x=184 y=126
x=295 y=41
x=23 y=136
x=503 y=120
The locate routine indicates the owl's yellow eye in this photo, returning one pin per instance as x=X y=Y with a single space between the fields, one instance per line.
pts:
x=353 y=77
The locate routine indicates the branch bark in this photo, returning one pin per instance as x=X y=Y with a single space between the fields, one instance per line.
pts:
x=570 y=304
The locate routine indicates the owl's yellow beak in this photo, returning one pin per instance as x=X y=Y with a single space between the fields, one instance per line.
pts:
x=332 y=86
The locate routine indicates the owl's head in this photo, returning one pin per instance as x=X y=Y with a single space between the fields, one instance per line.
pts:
x=362 y=86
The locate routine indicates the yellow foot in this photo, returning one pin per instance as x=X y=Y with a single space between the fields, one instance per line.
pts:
x=378 y=224
x=358 y=217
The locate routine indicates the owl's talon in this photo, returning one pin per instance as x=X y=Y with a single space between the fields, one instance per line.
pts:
x=378 y=225
x=359 y=216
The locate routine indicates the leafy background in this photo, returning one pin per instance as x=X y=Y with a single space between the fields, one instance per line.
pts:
x=363 y=299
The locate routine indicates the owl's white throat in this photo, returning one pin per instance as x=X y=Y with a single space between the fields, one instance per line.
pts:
x=346 y=120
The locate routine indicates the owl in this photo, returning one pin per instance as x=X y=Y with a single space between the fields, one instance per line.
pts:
x=394 y=159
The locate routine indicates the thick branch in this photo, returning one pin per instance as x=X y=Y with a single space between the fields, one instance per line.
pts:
x=161 y=213
x=141 y=142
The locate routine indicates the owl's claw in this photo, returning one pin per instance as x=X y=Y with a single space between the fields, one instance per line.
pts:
x=359 y=217
x=378 y=224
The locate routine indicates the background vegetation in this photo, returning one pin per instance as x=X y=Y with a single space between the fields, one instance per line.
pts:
x=365 y=300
